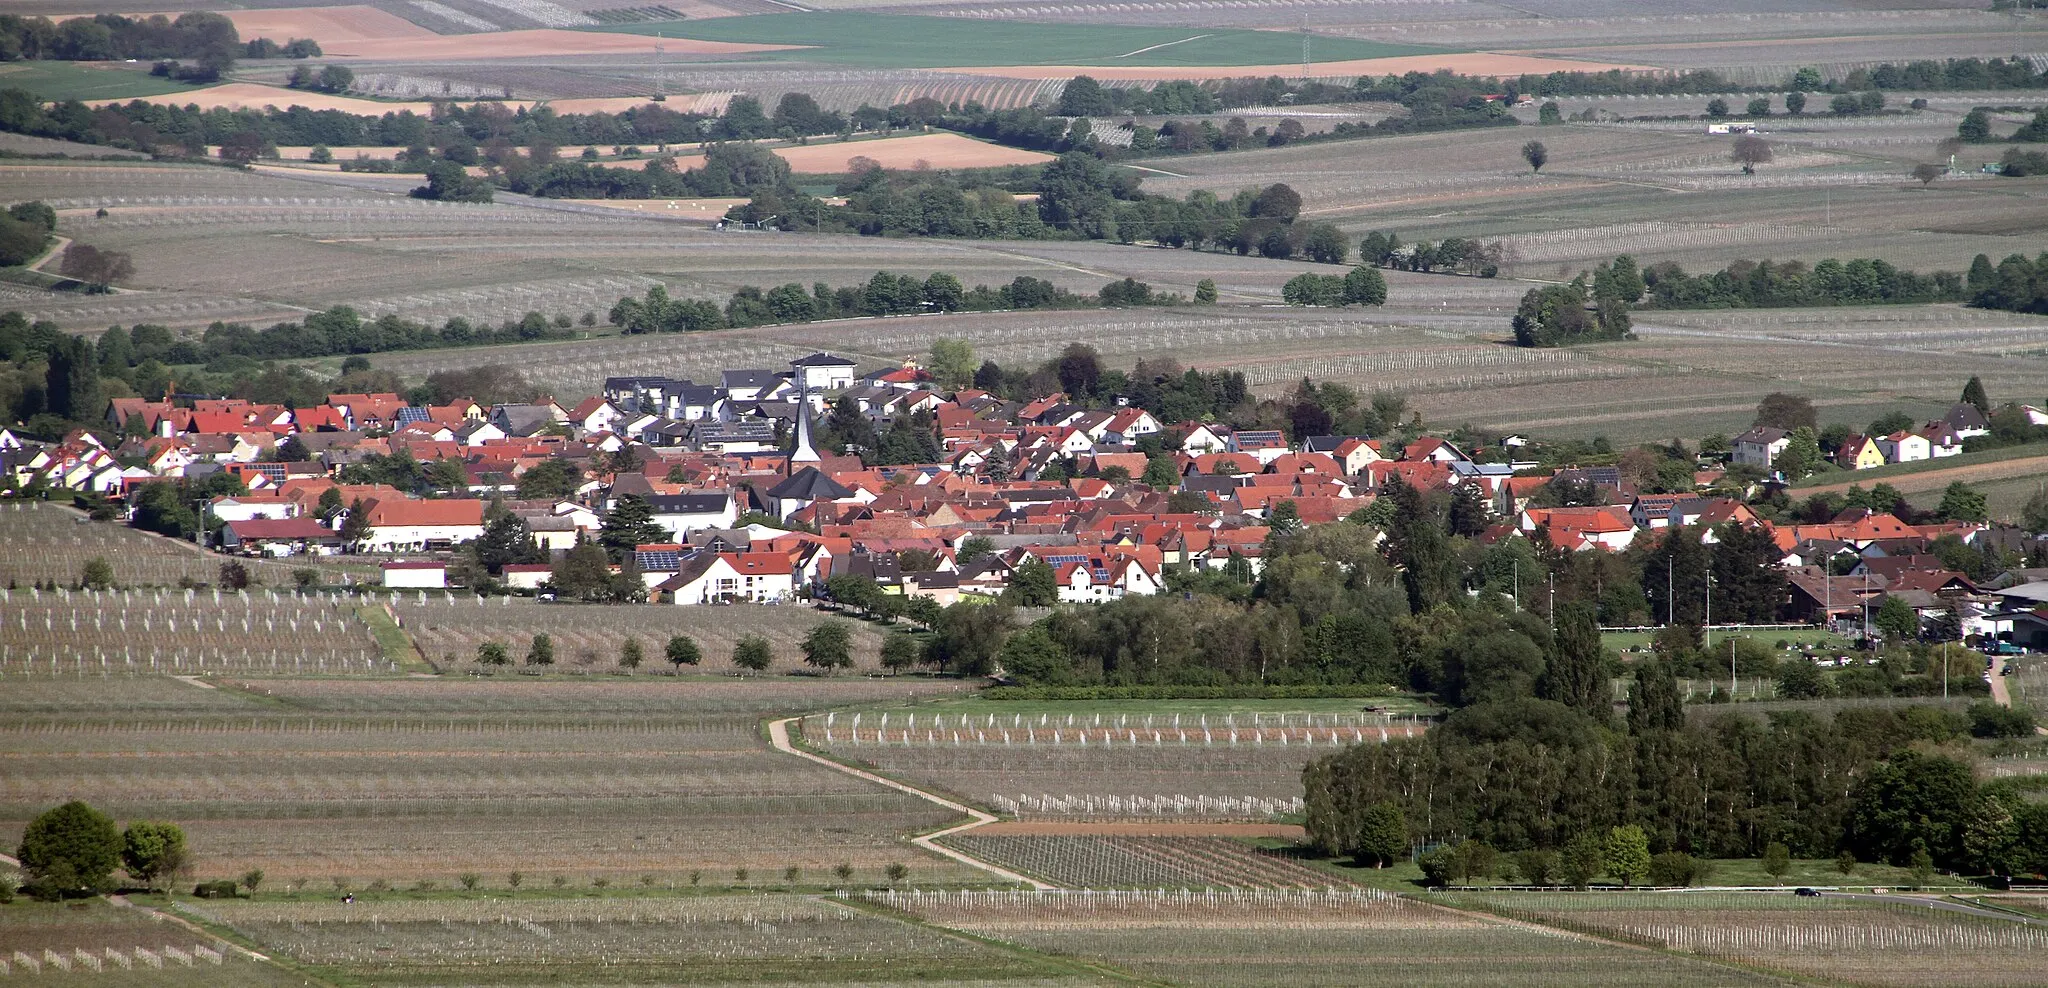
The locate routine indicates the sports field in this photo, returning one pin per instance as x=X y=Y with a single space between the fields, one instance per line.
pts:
x=904 y=41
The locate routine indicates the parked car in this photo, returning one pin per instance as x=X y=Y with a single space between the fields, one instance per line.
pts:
x=1806 y=893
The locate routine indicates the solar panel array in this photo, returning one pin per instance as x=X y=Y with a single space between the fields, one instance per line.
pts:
x=659 y=561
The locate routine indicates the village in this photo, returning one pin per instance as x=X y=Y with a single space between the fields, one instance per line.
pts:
x=725 y=495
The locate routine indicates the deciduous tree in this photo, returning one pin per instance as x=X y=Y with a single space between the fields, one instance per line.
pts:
x=69 y=850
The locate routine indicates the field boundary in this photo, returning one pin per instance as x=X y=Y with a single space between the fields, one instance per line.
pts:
x=778 y=738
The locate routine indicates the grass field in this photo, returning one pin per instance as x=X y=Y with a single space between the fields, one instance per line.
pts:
x=904 y=41
x=86 y=80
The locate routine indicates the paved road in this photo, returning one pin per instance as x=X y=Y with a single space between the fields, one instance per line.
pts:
x=1999 y=693
x=778 y=736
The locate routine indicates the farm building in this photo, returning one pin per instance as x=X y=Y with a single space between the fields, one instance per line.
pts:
x=415 y=575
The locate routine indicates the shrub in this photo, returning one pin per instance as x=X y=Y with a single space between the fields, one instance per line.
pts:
x=1989 y=720
x=470 y=880
x=252 y=878
x=223 y=889
x=1677 y=868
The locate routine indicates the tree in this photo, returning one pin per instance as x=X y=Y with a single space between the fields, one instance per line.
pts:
x=1759 y=107
x=1536 y=155
x=1576 y=674
x=752 y=653
x=1365 y=285
x=69 y=850
x=1779 y=410
x=629 y=524
x=681 y=651
x=1535 y=866
x=2034 y=514
x=98 y=269
x=582 y=572
x=1845 y=862
x=1079 y=367
x=1926 y=172
x=1205 y=292
x=493 y=654
x=1973 y=394
x=1795 y=103
x=952 y=363
x=1777 y=860
x=1922 y=866
x=1032 y=584
x=1626 y=854
x=97 y=574
x=899 y=652
x=356 y=527
x=233 y=575
x=630 y=653
x=1976 y=126
x=1717 y=107
x=828 y=646
x=541 y=652
x=1325 y=244
x=1961 y=502
x=72 y=382
x=1897 y=621
x=152 y=850
x=1277 y=202
x=974 y=547
x=1750 y=151
x=1583 y=858
x=1382 y=834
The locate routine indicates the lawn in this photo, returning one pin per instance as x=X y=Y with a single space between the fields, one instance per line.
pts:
x=1800 y=636
x=1406 y=876
x=86 y=80
x=904 y=41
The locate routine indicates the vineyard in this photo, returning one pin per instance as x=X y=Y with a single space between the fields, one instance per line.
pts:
x=775 y=938
x=97 y=943
x=1890 y=942
x=402 y=781
x=448 y=630
x=51 y=543
x=1111 y=861
x=183 y=632
x=1299 y=937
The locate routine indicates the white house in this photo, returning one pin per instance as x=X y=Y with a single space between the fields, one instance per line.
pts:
x=401 y=525
x=1760 y=447
x=249 y=507
x=682 y=514
x=823 y=372
x=1905 y=447
x=720 y=577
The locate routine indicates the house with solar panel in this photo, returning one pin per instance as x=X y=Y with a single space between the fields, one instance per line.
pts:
x=689 y=512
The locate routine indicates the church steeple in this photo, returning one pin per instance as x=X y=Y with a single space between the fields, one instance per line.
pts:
x=805 y=452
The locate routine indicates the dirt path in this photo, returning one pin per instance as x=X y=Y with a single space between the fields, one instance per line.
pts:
x=2000 y=693
x=778 y=737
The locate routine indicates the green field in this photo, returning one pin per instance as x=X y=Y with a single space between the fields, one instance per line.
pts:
x=86 y=80
x=903 y=41
x=1799 y=636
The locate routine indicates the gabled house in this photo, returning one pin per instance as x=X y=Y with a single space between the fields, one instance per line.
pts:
x=1859 y=452
x=823 y=372
x=406 y=525
x=1760 y=447
x=1905 y=447
x=687 y=512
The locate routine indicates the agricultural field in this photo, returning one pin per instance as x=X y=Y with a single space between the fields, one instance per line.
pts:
x=91 y=943
x=701 y=939
x=87 y=80
x=1110 y=861
x=1892 y=941
x=327 y=782
x=1097 y=773
x=184 y=632
x=1331 y=937
x=47 y=542
x=588 y=638
x=897 y=41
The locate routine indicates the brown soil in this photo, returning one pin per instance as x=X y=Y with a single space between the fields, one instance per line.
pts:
x=327 y=25
x=1476 y=63
x=1042 y=828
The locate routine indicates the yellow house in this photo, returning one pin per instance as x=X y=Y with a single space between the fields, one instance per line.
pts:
x=1859 y=453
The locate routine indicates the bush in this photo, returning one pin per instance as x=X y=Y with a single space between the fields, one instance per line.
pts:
x=1677 y=869
x=223 y=889
x=1989 y=720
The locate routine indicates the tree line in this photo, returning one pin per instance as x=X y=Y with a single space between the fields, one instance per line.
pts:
x=2014 y=285
x=1535 y=774
x=1763 y=284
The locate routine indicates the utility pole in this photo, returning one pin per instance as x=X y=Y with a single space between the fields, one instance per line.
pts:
x=1553 y=605
x=1732 y=681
